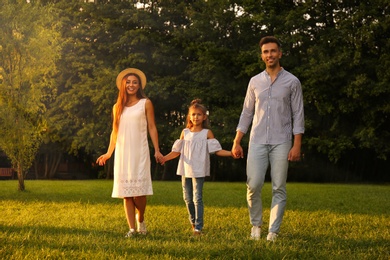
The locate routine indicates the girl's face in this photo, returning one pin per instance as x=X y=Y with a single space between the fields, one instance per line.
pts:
x=197 y=116
x=132 y=85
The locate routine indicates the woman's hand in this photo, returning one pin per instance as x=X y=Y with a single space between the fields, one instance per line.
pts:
x=102 y=159
x=159 y=157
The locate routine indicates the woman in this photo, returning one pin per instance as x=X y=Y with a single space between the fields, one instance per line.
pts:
x=133 y=118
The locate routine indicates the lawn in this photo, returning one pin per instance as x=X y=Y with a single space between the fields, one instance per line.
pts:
x=79 y=220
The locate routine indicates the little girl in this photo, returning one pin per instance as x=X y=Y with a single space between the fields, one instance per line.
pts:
x=194 y=146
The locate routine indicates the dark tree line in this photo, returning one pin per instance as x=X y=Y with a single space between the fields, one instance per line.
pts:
x=209 y=50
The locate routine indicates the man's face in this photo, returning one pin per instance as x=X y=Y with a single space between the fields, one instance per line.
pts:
x=270 y=54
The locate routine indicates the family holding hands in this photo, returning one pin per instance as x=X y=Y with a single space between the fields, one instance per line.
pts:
x=273 y=107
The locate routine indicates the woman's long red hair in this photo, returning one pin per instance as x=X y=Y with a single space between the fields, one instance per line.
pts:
x=123 y=98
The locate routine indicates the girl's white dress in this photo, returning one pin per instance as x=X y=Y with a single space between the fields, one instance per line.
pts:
x=132 y=176
x=195 y=151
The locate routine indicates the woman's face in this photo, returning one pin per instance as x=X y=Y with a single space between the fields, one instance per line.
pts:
x=132 y=85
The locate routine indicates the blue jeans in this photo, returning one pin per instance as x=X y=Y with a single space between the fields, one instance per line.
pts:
x=260 y=156
x=193 y=197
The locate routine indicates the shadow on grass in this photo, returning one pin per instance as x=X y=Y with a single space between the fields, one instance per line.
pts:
x=339 y=246
x=68 y=243
x=345 y=199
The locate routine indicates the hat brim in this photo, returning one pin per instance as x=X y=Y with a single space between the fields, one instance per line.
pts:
x=127 y=71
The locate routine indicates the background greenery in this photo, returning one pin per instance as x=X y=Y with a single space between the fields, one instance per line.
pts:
x=79 y=220
x=59 y=60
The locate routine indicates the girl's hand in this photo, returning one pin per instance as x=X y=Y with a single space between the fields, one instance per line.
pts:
x=162 y=160
x=102 y=159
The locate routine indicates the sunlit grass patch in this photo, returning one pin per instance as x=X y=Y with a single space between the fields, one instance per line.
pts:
x=79 y=220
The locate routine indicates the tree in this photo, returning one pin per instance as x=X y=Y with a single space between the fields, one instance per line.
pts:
x=209 y=50
x=28 y=52
x=345 y=85
x=81 y=116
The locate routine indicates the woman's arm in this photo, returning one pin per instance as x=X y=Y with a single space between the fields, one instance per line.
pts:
x=152 y=129
x=111 y=147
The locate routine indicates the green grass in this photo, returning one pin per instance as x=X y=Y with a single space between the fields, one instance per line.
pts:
x=80 y=220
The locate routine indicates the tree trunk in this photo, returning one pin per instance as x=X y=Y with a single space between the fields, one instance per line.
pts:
x=54 y=162
x=20 y=179
x=36 y=163
x=109 y=168
x=46 y=166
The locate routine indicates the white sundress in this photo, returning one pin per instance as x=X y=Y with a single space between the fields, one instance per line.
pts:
x=132 y=176
x=195 y=151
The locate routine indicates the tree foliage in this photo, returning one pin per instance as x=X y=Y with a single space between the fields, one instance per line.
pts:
x=209 y=50
x=346 y=88
x=27 y=72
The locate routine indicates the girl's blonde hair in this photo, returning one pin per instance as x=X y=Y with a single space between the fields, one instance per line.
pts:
x=122 y=98
x=197 y=103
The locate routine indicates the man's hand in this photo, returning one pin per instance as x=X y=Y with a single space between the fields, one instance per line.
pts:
x=237 y=151
x=294 y=154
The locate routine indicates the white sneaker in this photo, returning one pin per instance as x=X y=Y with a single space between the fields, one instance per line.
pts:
x=255 y=233
x=131 y=233
x=197 y=232
x=141 y=226
x=272 y=236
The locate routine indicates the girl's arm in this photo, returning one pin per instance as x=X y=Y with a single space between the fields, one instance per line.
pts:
x=111 y=147
x=172 y=154
x=152 y=129
x=223 y=153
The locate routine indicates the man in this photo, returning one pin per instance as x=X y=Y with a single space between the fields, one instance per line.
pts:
x=274 y=106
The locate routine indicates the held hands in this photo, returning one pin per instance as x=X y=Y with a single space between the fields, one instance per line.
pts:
x=162 y=160
x=237 y=151
x=159 y=157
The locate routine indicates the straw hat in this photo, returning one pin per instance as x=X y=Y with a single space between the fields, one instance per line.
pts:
x=127 y=71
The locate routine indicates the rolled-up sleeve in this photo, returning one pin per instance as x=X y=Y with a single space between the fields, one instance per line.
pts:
x=213 y=145
x=247 y=110
x=298 y=119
